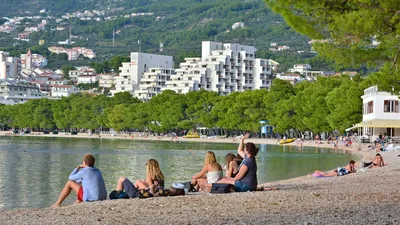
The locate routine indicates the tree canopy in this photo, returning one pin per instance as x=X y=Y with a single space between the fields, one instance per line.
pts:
x=326 y=105
x=348 y=28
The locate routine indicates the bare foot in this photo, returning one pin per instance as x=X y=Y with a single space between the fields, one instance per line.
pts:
x=55 y=206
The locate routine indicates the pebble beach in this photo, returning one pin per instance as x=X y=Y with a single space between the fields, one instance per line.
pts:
x=366 y=197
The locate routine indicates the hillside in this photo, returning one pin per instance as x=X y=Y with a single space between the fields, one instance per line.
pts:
x=180 y=25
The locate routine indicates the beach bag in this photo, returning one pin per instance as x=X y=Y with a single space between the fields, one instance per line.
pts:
x=118 y=195
x=221 y=188
x=177 y=189
x=161 y=192
x=189 y=186
x=175 y=192
x=145 y=193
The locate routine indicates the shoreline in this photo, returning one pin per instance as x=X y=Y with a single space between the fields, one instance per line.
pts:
x=307 y=143
x=369 y=197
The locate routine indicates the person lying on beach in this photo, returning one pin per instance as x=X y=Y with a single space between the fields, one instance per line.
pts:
x=232 y=166
x=211 y=173
x=377 y=162
x=246 y=179
x=340 y=171
x=154 y=181
x=87 y=182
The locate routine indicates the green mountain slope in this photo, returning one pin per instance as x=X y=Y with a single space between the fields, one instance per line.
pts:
x=181 y=26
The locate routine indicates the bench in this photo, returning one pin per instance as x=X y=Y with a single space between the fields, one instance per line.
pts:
x=395 y=140
x=365 y=140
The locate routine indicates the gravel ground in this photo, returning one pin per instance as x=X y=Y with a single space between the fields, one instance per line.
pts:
x=370 y=197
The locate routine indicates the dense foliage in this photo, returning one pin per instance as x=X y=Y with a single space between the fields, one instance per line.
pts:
x=355 y=33
x=328 y=104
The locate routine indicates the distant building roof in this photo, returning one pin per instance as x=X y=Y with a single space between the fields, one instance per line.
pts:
x=62 y=86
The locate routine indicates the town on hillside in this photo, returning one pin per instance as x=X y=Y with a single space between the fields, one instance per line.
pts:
x=223 y=68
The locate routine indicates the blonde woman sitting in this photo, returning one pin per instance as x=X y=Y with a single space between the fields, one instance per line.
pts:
x=154 y=180
x=211 y=173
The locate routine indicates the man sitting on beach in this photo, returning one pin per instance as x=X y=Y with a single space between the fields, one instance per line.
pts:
x=87 y=181
x=341 y=171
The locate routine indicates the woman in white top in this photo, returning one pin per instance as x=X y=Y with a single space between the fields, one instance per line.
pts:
x=211 y=173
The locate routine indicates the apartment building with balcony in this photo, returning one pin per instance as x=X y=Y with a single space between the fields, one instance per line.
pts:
x=191 y=76
x=223 y=68
x=12 y=92
x=107 y=80
x=74 y=74
x=152 y=83
x=131 y=72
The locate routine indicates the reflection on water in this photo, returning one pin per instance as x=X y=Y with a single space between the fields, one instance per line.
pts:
x=34 y=170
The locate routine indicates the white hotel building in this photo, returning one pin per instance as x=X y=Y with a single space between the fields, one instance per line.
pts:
x=223 y=68
x=132 y=72
x=152 y=82
x=191 y=76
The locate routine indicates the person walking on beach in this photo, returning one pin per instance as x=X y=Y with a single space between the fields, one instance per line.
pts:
x=246 y=179
x=86 y=181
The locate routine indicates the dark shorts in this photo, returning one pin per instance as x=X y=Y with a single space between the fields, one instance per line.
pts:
x=342 y=172
x=80 y=194
x=241 y=187
x=130 y=189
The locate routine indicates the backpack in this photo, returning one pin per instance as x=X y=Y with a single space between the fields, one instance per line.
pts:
x=218 y=188
x=145 y=193
x=118 y=195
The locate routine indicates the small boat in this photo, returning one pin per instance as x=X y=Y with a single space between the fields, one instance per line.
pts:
x=286 y=141
x=192 y=135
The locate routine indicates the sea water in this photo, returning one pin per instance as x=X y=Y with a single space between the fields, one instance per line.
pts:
x=34 y=170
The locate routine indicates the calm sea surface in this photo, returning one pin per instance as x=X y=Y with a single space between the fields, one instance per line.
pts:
x=34 y=170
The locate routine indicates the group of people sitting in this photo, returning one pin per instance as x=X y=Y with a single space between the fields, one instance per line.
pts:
x=241 y=171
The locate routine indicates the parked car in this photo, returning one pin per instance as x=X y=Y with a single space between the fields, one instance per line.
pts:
x=46 y=132
x=55 y=131
x=74 y=133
